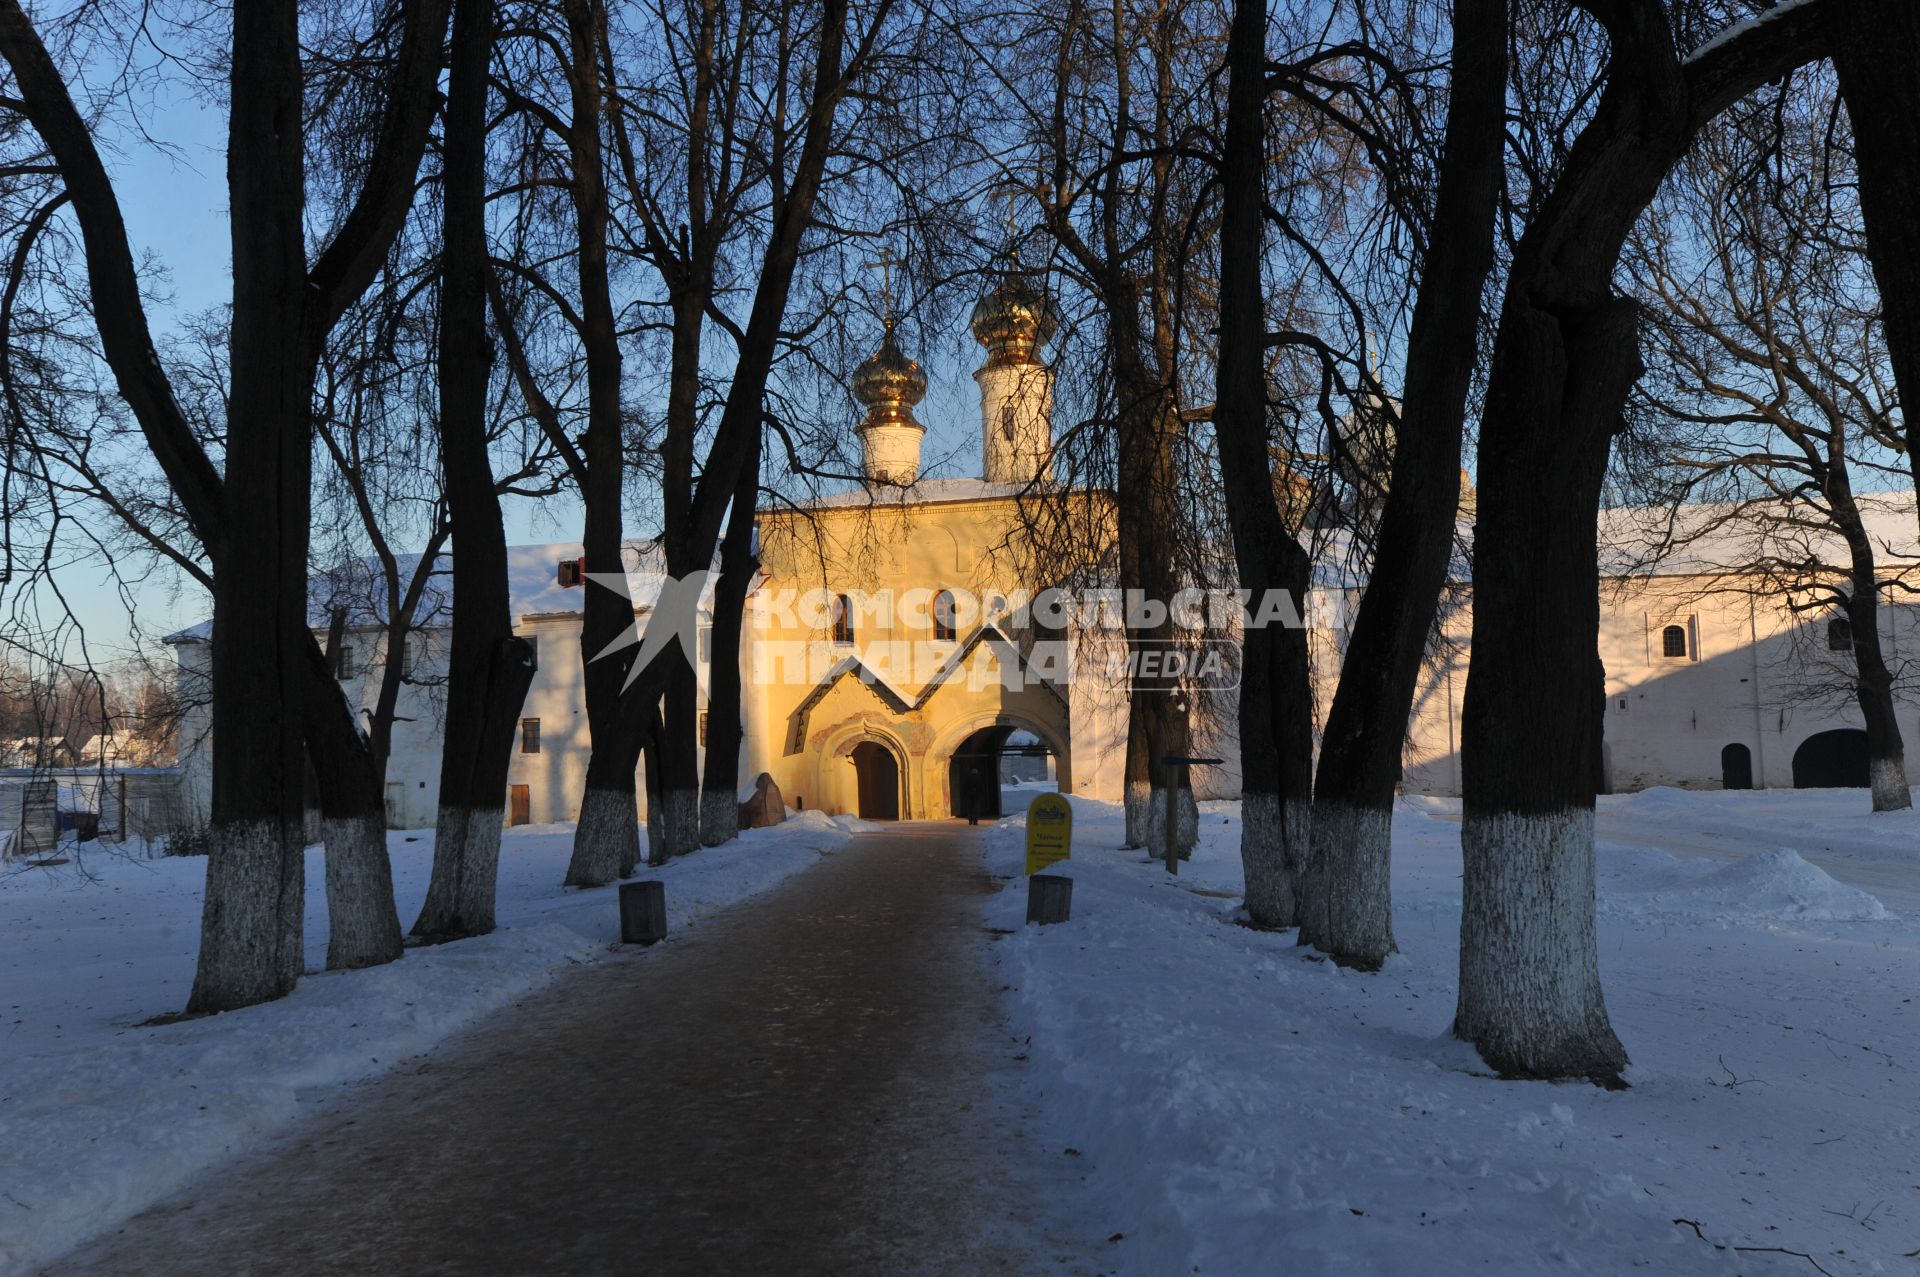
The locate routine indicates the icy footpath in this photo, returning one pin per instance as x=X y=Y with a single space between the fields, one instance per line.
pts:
x=1238 y=1107
x=99 y=1118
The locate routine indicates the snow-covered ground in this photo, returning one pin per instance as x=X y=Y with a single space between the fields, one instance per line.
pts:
x=100 y=1117
x=1831 y=828
x=1238 y=1107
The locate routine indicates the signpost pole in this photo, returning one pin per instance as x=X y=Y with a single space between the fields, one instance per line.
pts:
x=1179 y=779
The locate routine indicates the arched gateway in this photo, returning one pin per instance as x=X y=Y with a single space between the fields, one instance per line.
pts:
x=1832 y=760
x=887 y=649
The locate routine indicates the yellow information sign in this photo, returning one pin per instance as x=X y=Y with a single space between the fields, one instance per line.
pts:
x=1049 y=831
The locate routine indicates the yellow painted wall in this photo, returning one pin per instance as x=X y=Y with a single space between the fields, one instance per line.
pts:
x=900 y=555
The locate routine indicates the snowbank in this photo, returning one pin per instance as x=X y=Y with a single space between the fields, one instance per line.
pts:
x=1836 y=822
x=1239 y=1107
x=100 y=1118
x=1769 y=886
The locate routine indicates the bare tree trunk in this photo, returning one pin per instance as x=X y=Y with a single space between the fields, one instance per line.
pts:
x=1876 y=46
x=1137 y=794
x=1530 y=998
x=250 y=938
x=1366 y=726
x=488 y=668
x=363 y=929
x=1276 y=727
x=282 y=314
x=1886 y=752
x=720 y=785
x=608 y=831
x=608 y=819
x=1147 y=431
x=1566 y=356
x=606 y=846
x=657 y=851
x=1873 y=688
x=675 y=752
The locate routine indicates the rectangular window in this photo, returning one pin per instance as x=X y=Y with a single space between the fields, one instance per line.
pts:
x=345 y=663
x=703 y=729
x=533 y=641
x=572 y=572
x=529 y=735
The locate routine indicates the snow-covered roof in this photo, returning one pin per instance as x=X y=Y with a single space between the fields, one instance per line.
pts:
x=1634 y=540
x=533 y=587
x=925 y=492
x=1723 y=536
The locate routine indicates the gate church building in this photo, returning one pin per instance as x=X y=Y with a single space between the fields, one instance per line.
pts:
x=883 y=674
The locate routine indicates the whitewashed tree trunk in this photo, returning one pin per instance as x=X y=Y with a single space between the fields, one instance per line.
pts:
x=1156 y=823
x=251 y=923
x=680 y=816
x=1139 y=806
x=1530 y=999
x=1890 y=789
x=1310 y=911
x=607 y=838
x=461 y=901
x=1352 y=849
x=1271 y=833
x=719 y=818
x=362 y=928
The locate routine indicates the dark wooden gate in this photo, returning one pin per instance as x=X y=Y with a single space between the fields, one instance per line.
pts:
x=878 y=775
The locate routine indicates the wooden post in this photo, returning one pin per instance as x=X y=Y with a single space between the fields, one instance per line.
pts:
x=643 y=912
x=1179 y=783
x=1049 y=898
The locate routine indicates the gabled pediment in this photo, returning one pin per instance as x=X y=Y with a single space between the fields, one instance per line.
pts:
x=849 y=666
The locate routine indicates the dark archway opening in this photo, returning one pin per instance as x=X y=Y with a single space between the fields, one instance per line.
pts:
x=877 y=774
x=1736 y=767
x=991 y=760
x=1832 y=760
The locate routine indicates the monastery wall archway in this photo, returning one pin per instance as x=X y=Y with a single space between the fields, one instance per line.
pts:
x=937 y=765
x=836 y=785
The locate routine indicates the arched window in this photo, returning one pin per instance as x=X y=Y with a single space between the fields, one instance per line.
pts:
x=1673 y=641
x=943 y=629
x=1840 y=635
x=842 y=620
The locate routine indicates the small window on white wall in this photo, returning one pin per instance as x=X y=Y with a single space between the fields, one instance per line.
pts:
x=1673 y=642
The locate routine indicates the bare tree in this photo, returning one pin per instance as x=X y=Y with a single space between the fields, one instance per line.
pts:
x=1876 y=45
x=489 y=668
x=796 y=67
x=1771 y=367
x=1565 y=359
x=283 y=309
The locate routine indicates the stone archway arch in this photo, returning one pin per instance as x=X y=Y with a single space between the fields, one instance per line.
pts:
x=836 y=790
x=938 y=801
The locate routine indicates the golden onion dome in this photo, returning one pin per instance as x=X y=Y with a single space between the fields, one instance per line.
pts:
x=1013 y=321
x=889 y=384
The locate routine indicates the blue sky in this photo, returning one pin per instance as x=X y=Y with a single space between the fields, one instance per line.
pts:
x=173 y=194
